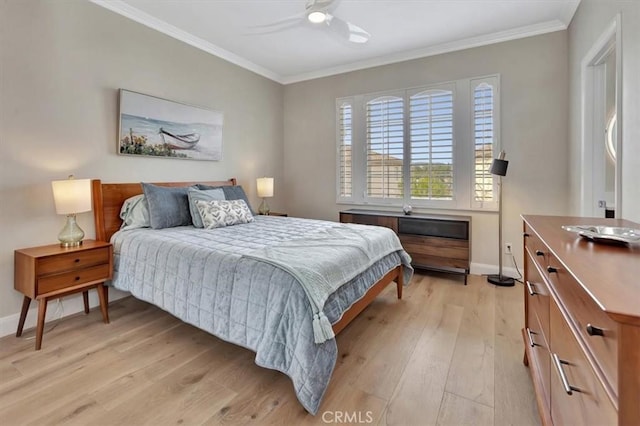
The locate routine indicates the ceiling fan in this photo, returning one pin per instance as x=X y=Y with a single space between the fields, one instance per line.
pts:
x=319 y=13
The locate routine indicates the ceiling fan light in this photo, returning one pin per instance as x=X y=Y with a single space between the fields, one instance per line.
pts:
x=317 y=17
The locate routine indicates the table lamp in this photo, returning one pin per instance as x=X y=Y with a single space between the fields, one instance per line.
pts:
x=71 y=196
x=265 y=190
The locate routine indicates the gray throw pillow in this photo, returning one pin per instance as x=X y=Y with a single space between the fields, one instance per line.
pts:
x=206 y=195
x=168 y=207
x=231 y=192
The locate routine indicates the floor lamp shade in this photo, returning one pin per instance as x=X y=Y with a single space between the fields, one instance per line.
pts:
x=499 y=168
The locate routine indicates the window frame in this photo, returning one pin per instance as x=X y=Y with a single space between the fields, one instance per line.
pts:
x=463 y=149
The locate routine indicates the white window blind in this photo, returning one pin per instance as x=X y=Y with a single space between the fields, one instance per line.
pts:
x=385 y=140
x=431 y=140
x=345 y=117
x=483 y=127
x=429 y=146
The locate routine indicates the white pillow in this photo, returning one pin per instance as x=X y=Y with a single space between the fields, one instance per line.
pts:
x=219 y=213
x=135 y=213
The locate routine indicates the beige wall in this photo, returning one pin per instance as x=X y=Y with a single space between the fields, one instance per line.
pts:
x=62 y=64
x=534 y=86
x=589 y=22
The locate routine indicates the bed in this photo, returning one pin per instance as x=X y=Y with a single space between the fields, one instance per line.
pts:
x=227 y=282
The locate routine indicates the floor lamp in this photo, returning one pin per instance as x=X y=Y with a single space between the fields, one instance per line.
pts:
x=499 y=168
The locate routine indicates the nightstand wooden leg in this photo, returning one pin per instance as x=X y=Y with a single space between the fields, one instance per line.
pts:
x=103 y=302
x=85 y=299
x=23 y=315
x=42 y=312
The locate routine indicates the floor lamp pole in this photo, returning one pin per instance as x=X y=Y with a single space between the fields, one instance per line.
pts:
x=499 y=279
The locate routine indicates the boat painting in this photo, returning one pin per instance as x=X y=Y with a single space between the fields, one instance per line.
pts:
x=176 y=141
x=151 y=126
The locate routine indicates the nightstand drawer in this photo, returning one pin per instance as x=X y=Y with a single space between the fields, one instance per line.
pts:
x=72 y=278
x=70 y=261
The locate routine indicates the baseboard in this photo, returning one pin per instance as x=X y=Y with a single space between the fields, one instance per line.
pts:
x=70 y=305
x=485 y=269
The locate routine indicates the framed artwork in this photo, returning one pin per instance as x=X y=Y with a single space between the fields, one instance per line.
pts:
x=156 y=127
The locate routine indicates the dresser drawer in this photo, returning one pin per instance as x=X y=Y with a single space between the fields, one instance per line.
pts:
x=72 y=260
x=537 y=295
x=69 y=279
x=534 y=246
x=366 y=219
x=538 y=350
x=587 y=316
x=588 y=403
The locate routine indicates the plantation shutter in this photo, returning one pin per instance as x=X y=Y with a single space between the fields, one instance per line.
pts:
x=483 y=127
x=431 y=140
x=385 y=140
x=345 y=164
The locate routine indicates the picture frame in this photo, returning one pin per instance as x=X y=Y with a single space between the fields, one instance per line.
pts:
x=154 y=127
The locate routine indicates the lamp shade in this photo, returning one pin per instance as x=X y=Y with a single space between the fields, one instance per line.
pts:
x=499 y=165
x=72 y=195
x=265 y=187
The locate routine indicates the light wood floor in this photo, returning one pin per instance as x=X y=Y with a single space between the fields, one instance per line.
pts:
x=445 y=354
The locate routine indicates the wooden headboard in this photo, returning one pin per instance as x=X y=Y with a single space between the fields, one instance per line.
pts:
x=109 y=197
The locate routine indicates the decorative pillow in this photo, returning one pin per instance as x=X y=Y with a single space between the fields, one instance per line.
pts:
x=135 y=213
x=206 y=195
x=219 y=213
x=168 y=207
x=231 y=192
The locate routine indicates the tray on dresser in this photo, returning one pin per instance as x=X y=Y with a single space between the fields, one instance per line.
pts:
x=606 y=234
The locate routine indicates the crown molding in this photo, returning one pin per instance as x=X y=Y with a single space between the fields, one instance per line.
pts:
x=124 y=9
x=467 y=43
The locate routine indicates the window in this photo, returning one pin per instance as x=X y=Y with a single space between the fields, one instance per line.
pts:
x=429 y=146
x=431 y=142
x=344 y=149
x=385 y=147
x=483 y=123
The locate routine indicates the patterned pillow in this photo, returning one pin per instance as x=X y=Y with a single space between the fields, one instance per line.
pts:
x=219 y=213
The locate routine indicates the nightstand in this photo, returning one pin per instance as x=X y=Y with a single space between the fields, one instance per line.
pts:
x=277 y=214
x=49 y=272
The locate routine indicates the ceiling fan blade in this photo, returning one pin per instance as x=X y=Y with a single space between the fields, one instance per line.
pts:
x=281 y=22
x=349 y=31
x=322 y=4
x=283 y=27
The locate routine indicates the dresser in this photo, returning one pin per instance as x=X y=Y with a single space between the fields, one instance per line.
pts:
x=582 y=323
x=438 y=242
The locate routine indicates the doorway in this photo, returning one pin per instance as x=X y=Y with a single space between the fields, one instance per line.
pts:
x=601 y=121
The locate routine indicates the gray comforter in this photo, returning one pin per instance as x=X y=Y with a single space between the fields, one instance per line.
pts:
x=208 y=278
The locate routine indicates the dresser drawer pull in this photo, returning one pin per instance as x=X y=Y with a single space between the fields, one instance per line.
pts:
x=594 y=331
x=77 y=260
x=530 y=289
x=539 y=253
x=77 y=278
x=524 y=234
x=531 y=342
x=563 y=378
x=551 y=269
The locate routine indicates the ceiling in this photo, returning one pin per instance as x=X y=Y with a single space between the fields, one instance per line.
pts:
x=400 y=30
